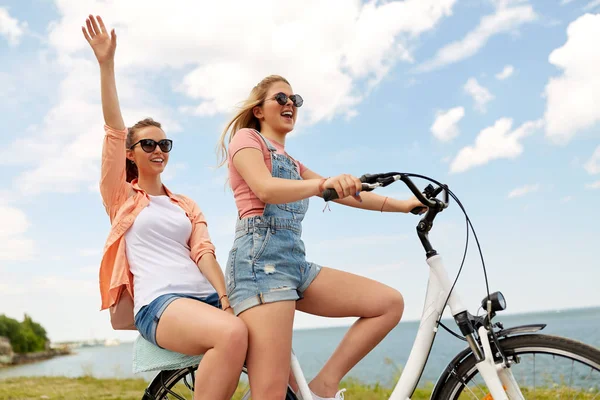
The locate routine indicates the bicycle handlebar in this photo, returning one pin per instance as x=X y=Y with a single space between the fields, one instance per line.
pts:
x=372 y=181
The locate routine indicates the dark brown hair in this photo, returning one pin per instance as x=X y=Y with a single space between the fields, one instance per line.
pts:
x=130 y=167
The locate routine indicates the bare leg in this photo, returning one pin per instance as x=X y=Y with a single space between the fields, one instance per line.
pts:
x=191 y=327
x=341 y=294
x=269 y=348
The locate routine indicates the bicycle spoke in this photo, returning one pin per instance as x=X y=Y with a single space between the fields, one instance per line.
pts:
x=534 y=393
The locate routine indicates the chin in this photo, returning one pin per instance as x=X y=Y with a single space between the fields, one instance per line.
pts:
x=286 y=129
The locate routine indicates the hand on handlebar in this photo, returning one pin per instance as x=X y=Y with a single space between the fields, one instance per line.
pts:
x=345 y=185
x=415 y=206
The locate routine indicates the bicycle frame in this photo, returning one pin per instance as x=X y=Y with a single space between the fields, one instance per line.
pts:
x=438 y=288
x=437 y=291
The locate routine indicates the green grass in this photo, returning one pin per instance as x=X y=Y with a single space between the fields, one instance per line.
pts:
x=85 y=388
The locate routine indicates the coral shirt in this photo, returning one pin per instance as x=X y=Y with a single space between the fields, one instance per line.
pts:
x=123 y=202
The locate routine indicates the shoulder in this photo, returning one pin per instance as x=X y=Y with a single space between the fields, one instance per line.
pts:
x=186 y=202
x=245 y=135
x=245 y=138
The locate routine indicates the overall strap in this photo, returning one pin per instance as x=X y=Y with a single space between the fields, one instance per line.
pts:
x=269 y=145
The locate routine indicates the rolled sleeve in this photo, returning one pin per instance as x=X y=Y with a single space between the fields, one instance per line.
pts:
x=114 y=188
x=200 y=243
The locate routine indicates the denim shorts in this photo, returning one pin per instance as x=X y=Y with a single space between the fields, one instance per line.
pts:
x=146 y=320
x=267 y=263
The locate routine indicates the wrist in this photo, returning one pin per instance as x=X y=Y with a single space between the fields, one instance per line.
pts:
x=395 y=205
x=107 y=64
x=321 y=186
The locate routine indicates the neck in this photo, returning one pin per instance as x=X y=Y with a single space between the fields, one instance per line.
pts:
x=151 y=185
x=273 y=135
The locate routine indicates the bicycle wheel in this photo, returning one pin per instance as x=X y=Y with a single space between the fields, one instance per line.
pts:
x=179 y=384
x=545 y=367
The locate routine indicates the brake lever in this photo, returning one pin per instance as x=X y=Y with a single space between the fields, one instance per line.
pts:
x=370 y=178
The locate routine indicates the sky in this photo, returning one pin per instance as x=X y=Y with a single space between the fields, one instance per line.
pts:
x=497 y=98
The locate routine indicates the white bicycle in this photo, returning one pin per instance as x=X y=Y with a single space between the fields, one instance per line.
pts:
x=498 y=363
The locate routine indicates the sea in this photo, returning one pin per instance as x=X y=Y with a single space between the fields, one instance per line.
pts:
x=313 y=347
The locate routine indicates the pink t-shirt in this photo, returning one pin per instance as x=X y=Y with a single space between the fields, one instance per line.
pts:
x=248 y=204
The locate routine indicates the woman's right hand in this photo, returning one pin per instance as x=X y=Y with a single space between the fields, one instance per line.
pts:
x=345 y=185
x=104 y=46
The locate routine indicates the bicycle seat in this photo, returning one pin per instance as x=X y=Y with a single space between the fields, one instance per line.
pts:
x=148 y=357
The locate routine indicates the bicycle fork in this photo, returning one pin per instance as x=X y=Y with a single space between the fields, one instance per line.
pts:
x=497 y=377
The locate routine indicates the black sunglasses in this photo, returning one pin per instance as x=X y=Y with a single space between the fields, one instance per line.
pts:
x=282 y=99
x=149 y=145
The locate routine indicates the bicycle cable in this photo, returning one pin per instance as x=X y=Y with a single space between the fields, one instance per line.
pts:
x=469 y=225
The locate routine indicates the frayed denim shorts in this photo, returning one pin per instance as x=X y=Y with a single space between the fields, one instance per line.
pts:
x=267 y=263
x=146 y=320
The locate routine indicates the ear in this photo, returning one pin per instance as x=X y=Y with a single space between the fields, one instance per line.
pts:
x=129 y=155
x=258 y=112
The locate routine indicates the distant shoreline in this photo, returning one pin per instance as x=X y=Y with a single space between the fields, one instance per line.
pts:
x=30 y=358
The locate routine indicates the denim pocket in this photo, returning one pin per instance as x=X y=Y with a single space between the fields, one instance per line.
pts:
x=260 y=239
x=286 y=171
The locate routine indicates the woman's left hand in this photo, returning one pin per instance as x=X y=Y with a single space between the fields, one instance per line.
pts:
x=413 y=203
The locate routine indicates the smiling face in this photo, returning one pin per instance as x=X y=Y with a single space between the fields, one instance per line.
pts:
x=153 y=163
x=272 y=115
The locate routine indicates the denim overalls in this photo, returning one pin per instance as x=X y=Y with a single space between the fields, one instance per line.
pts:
x=267 y=261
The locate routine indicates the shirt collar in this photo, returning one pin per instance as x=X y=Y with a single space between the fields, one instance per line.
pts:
x=137 y=188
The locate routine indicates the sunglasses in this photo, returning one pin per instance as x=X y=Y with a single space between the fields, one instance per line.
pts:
x=149 y=145
x=282 y=99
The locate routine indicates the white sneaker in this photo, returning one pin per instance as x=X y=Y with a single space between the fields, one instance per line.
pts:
x=338 y=396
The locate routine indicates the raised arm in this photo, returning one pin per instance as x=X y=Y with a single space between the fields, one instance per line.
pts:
x=113 y=185
x=104 y=47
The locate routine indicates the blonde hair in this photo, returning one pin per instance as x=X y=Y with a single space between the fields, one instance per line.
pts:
x=130 y=167
x=245 y=118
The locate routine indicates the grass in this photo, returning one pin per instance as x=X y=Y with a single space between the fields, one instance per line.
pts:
x=85 y=388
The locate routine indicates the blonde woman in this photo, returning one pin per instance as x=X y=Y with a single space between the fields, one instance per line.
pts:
x=267 y=275
x=159 y=244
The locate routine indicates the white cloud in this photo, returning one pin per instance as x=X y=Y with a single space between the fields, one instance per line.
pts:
x=508 y=16
x=563 y=2
x=494 y=142
x=445 y=127
x=591 y=5
x=505 y=73
x=593 y=164
x=595 y=185
x=566 y=199
x=14 y=246
x=523 y=190
x=89 y=252
x=10 y=27
x=573 y=98
x=480 y=94
x=354 y=45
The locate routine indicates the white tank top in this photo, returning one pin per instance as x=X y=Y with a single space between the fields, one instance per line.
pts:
x=159 y=255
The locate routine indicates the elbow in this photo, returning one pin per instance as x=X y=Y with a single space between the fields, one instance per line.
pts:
x=264 y=196
x=264 y=193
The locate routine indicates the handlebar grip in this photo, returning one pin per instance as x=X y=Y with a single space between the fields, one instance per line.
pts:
x=418 y=210
x=331 y=194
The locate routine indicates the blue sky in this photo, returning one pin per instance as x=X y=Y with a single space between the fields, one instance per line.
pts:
x=497 y=98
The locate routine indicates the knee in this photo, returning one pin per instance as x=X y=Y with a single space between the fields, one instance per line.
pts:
x=395 y=306
x=272 y=392
x=235 y=336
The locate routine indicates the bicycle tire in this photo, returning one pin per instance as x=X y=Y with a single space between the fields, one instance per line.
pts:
x=515 y=347
x=166 y=380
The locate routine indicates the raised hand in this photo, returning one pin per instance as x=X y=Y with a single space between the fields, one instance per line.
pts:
x=97 y=36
